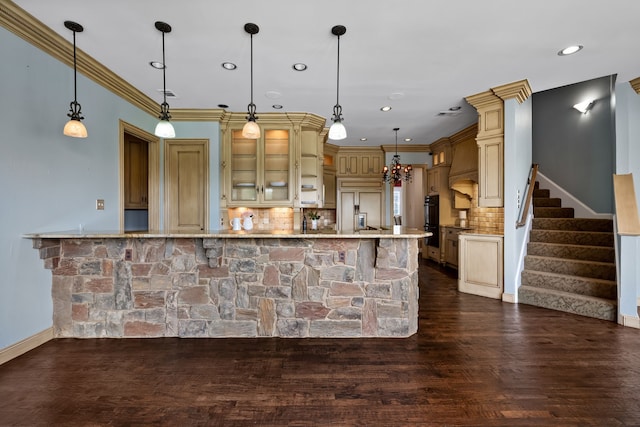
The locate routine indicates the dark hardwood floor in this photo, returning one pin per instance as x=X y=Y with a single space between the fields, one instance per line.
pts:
x=474 y=362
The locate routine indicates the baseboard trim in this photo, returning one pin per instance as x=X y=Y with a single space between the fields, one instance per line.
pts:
x=27 y=344
x=509 y=298
x=630 y=321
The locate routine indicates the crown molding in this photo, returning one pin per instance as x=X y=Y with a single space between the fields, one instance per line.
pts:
x=520 y=90
x=406 y=148
x=464 y=134
x=483 y=99
x=197 y=115
x=635 y=84
x=30 y=29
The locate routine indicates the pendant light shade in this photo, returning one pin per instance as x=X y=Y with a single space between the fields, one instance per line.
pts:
x=251 y=130
x=74 y=126
x=337 y=131
x=164 y=128
x=394 y=172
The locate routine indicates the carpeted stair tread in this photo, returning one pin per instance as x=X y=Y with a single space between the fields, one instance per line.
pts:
x=573 y=284
x=573 y=224
x=594 y=269
x=599 y=308
x=572 y=237
x=569 y=251
x=543 y=212
x=537 y=192
x=547 y=202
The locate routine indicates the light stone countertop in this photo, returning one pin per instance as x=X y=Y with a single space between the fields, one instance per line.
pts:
x=405 y=233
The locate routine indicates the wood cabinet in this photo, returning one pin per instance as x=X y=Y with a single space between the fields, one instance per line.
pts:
x=433 y=181
x=136 y=173
x=329 y=176
x=449 y=238
x=360 y=196
x=359 y=161
x=481 y=265
x=282 y=168
x=310 y=169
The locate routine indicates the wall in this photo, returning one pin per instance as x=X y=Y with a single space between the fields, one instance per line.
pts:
x=51 y=182
x=577 y=150
x=628 y=161
x=517 y=164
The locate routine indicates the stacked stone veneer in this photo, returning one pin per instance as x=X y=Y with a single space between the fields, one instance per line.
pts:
x=247 y=287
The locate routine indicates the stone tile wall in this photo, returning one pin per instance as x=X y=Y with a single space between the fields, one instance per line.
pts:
x=233 y=287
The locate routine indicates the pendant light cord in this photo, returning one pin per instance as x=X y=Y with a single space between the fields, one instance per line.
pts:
x=338 y=75
x=75 y=72
x=164 y=72
x=251 y=72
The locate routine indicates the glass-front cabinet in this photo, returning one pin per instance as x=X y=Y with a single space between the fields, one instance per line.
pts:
x=282 y=168
x=260 y=169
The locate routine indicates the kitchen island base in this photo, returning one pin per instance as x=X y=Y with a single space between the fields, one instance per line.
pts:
x=233 y=287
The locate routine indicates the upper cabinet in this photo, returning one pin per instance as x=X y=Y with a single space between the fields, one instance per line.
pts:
x=136 y=158
x=329 y=176
x=359 y=162
x=282 y=168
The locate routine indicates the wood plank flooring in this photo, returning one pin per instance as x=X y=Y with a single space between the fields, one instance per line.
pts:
x=474 y=362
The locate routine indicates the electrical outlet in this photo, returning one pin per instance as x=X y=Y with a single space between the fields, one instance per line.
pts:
x=100 y=204
x=341 y=256
x=128 y=254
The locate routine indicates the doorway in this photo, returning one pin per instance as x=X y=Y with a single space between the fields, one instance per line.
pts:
x=139 y=179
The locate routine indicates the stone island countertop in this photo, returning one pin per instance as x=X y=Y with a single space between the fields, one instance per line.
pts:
x=230 y=234
x=232 y=284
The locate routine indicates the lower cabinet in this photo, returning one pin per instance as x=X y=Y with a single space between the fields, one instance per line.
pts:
x=480 y=269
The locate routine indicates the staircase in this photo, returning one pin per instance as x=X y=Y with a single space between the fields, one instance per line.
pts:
x=570 y=262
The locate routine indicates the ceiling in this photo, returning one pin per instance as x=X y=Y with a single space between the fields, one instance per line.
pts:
x=420 y=57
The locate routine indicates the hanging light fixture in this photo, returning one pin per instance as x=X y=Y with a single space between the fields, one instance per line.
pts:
x=337 y=131
x=251 y=130
x=164 y=128
x=74 y=126
x=394 y=172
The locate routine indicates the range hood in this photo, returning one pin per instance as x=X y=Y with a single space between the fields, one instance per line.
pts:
x=463 y=174
x=464 y=163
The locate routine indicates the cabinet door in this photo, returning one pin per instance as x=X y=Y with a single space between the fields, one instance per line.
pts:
x=136 y=172
x=347 y=164
x=276 y=185
x=244 y=168
x=451 y=248
x=433 y=181
x=260 y=169
x=345 y=217
x=310 y=170
x=329 y=179
x=370 y=202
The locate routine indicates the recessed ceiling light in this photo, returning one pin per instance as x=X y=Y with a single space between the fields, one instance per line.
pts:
x=229 y=66
x=385 y=108
x=223 y=106
x=157 y=65
x=299 y=66
x=277 y=107
x=363 y=139
x=456 y=108
x=570 y=50
x=408 y=139
x=273 y=94
x=396 y=95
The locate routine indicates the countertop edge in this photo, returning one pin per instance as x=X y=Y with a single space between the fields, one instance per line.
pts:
x=226 y=234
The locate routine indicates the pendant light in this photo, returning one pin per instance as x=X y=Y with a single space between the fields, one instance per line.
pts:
x=337 y=131
x=251 y=130
x=74 y=126
x=164 y=128
x=393 y=173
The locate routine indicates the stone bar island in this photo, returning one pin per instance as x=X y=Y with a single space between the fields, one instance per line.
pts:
x=233 y=284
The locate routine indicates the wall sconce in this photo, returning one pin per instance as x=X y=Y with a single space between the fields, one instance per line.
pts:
x=584 y=106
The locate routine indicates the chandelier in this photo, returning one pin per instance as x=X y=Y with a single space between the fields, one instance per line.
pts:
x=395 y=173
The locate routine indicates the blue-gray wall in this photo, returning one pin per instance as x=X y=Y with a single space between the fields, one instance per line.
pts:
x=50 y=182
x=517 y=164
x=575 y=150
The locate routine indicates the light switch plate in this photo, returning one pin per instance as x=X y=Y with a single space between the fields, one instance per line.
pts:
x=100 y=204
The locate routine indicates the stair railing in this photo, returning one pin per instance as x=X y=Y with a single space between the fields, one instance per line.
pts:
x=531 y=181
